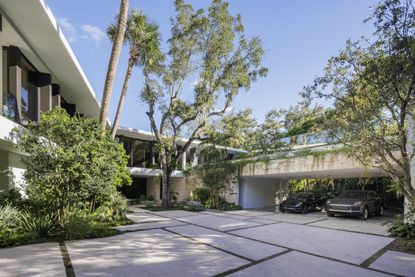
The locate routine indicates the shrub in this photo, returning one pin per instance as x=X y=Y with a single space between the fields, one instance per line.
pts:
x=112 y=209
x=150 y=203
x=142 y=198
x=12 y=237
x=71 y=165
x=403 y=226
x=84 y=227
x=9 y=217
x=39 y=226
x=13 y=197
x=201 y=194
x=193 y=205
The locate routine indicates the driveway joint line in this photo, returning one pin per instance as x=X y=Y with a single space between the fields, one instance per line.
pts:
x=375 y=256
x=208 y=244
x=252 y=264
x=315 y=221
x=66 y=260
x=293 y=249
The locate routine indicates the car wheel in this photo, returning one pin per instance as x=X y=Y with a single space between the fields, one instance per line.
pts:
x=381 y=210
x=365 y=214
x=306 y=209
x=282 y=209
x=330 y=215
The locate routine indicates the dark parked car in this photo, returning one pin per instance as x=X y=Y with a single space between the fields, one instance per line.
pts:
x=355 y=202
x=302 y=202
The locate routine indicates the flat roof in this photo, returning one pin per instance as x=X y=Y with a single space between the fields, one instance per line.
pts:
x=42 y=41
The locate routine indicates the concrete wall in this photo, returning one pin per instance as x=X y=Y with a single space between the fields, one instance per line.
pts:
x=318 y=166
x=257 y=192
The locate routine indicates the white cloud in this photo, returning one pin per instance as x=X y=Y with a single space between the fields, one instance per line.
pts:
x=86 y=31
x=69 y=29
x=93 y=32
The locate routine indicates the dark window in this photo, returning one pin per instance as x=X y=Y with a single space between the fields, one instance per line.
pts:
x=28 y=92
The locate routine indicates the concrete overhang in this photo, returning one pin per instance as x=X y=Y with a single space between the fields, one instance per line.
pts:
x=42 y=41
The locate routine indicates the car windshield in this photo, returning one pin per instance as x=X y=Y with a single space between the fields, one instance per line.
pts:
x=353 y=194
x=300 y=196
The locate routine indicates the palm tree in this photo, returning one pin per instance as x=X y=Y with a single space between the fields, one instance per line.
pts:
x=112 y=65
x=144 y=42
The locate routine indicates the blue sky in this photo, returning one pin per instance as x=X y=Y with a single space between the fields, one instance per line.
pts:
x=299 y=37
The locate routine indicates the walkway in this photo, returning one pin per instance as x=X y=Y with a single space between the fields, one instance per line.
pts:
x=236 y=243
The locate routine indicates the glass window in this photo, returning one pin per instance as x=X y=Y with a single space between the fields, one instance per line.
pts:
x=28 y=93
x=142 y=154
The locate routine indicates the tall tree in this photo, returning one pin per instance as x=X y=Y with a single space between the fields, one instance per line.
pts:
x=113 y=63
x=372 y=85
x=143 y=39
x=212 y=49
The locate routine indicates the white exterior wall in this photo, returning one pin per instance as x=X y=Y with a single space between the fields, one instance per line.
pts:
x=257 y=192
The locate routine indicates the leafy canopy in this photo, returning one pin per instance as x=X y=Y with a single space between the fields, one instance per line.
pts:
x=70 y=163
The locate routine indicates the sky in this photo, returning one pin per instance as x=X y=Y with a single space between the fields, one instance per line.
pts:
x=299 y=36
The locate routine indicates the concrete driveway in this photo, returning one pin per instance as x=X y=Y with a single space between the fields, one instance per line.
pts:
x=236 y=243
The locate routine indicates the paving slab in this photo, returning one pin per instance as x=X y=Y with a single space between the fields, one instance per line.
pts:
x=145 y=217
x=341 y=245
x=234 y=216
x=356 y=225
x=220 y=223
x=396 y=262
x=42 y=259
x=237 y=245
x=148 y=253
x=262 y=220
x=293 y=218
x=149 y=225
x=175 y=213
x=249 y=213
x=136 y=209
x=300 y=264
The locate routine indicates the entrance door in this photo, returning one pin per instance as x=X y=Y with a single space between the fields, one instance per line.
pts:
x=137 y=188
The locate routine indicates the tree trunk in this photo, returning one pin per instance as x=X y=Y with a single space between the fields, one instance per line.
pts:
x=122 y=99
x=166 y=185
x=112 y=65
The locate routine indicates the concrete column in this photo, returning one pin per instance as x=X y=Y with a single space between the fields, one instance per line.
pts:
x=184 y=160
x=45 y=92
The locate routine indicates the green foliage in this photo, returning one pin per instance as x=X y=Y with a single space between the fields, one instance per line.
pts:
x=201 y=194
x=403 y=226
x=150 y=203
x=9 y=217
x=112 y=209
x=207 y=46
x=216 y=174
x=371 y=83
x=11 y=237
x=39 y=226
x=192 y=205
x=83 y=227
x=13 y=197
x=71 y=166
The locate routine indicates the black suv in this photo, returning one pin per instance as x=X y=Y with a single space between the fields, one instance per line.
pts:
x=355 y=202
x=302 y=202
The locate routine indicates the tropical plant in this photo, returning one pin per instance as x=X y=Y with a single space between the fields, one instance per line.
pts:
x=212 y=50
x=143 y=39
x=113 y=63
x=193 y=205
x=9 y=216
x=40 y=226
